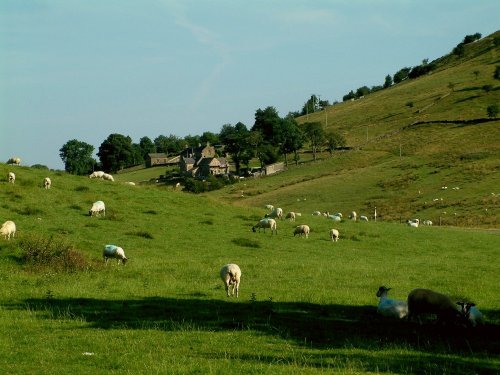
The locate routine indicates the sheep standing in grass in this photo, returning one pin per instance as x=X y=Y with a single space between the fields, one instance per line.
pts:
x=96 y=174
x=471 y=313
x=426 y=301
x=12 y=177
x=266 y=223
x=276 y=213
x=316 y=213
x=231 y=275
x=413 y=223
x=115 y=252
x=353 y=216
x=291 y=215
x=334 y=235
x=47 y=183
x=270 y=207
x=335 y=218
x=427 y=222
x=390 y=307
x=107 y=177
x=363 y=218
x=14 y=160
x=8 y=229
x=97 y=208
x=302 y=230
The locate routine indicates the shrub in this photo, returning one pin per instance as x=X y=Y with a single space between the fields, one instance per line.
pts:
x=492 y=110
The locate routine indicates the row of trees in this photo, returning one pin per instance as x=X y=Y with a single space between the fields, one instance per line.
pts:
x=270 y=139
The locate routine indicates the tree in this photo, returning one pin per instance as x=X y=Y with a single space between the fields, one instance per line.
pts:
x=311 y=105
x=233 y=138
x=209 y=137
x=362 y=91
x=291 y=138
x=169 y=145
x=388 y=81
x=147 y=147
x=334 y=141
x=116 y=152
x=401 y=75
x=349 y=96
x=492 y=110
x=192 y=140
x=266 y=121
x=316 y=135
x=77 y=157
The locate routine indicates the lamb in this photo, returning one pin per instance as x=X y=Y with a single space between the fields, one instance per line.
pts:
x=334 y=235
x=47 y=183
x=353 y=216
x=363 y=218
x=276 y=213
x=12 y=177
x=390 y=307
x=471 y=313
x=97 y=208
x=231 y=275
x=113 y=251
x=316 y=213
x=108 y=177
x=302 y=230
x=427 y=222
x=426 y=301
x=96 y=174
x=413 y=223
x=291 y=215
x=266 y=223
x=8 y=229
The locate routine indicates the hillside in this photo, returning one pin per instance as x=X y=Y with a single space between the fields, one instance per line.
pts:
x=409 y=142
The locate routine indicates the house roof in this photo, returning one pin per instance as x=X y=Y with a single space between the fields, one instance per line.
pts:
x=157 y=155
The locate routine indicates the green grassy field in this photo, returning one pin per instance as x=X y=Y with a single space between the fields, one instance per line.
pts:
x=305 y=306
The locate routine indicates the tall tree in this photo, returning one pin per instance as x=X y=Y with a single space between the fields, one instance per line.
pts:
x=266 y=121
x=147 y=147
x=291 y=138
x=315 y=134
x=233 y=138
x=334 y=141
x=116 y=152
x=388 y=81
x=209 y=137
x=77 y=157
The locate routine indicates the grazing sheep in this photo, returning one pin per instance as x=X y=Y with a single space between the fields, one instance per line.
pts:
x=107 y=177
x=96 y=174
x=47 y=183
x=130 y=183
x=390 y=307
x=276 y=213
x=363 y=218
x=413 y=223
x=8 y=229
x=14 y=160
x=427 y=222
x=97 y=208
x=316 y=213
x=426 y=301
x=353 y=216
x=231 y=275
x=302 y=230
x=471 y=313
x=291 y=215
x=177 y=186
x=12 y=177
x=269 y=207
x=266 y=223
x=113 y=251
x=335 y=218
x=334 y=235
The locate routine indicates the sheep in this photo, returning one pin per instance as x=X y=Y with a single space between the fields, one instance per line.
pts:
x=97 y=208
x=47 y=183
x=353 y=216
x=426 y=301
x=335 y=218
x=291 y=215
x=471 y=313
x=427 y=222
x=231 y=275
x=334 y=235
x=266 y=223
x=298 y=214
x=113 y=251
x=96 y=174
x=363 y=218
x=8 y=229
x=130 y=183
x=302 y=230
x=413 y=223
x=270 y=207
x=390 y=307
x=107 y=177
x=14 y=160
x=276 y=213
x=316 y=213
x=12 y=177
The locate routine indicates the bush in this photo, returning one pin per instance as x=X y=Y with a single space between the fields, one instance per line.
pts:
x=40 y=253
x=492 y=110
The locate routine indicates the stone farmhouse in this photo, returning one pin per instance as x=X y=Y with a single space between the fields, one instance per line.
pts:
x=201 y=162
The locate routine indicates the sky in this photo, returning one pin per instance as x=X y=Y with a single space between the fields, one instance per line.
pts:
x=85 y=69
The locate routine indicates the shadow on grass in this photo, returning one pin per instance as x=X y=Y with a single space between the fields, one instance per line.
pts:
x=313 y=325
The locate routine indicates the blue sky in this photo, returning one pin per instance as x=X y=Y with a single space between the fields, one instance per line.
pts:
x=84 y=69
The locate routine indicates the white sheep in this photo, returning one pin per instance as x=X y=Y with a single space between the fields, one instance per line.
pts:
x=130 y=183
x=96 y=174
x=113 y=251
x=363 y=218
x=390 y=307
x=266 y=223
x=14 y=160
x=353 y=216
x=316 y=213
x=298 y=214
x=413 y=223
x=334 y=235
x=97 y=208
x=8 y=229
x=335 y=218
x=471 y=313
x=107 y=177
x=47 y=183
x=302 y=230
x=12 y=177
x=231 y=275
x=426 y=301
x=276 y=213
x=427 y=222
x=270 y=207
x=291 y=215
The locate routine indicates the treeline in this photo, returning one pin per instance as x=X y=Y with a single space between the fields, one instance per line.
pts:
x=270 y=139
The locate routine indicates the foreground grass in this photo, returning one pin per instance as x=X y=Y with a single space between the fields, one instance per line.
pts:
x=306 y=305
